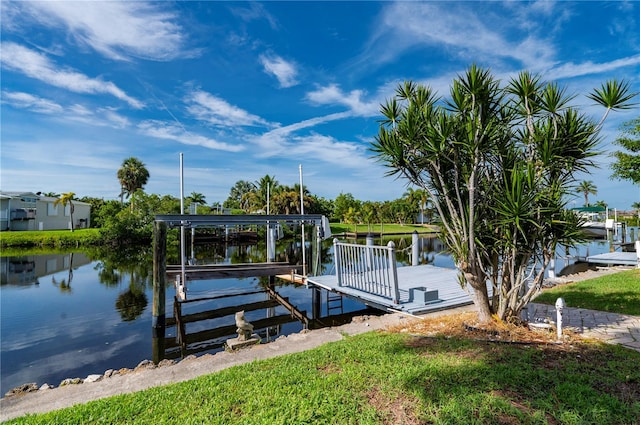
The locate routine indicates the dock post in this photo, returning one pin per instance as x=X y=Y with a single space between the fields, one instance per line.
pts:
x=159 y=279
x=415 y=248
x=394 y=272
x=336 y=260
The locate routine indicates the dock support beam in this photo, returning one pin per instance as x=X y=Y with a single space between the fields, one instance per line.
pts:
x=159 y=278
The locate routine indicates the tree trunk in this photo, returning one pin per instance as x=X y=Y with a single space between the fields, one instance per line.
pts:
x=480 y=296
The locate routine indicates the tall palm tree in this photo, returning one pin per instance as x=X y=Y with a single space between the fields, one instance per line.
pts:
x=266 y=185
x=64 y=199
x=586 y=187
x=197 y=199
x=132 y=176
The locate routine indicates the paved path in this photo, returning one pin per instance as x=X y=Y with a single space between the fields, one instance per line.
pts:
x=608 y=327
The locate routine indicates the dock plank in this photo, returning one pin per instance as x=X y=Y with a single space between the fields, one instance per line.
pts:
x=614 y=258
x=444 y=280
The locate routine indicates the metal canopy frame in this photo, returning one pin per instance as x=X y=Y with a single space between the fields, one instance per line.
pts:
x=199 y=220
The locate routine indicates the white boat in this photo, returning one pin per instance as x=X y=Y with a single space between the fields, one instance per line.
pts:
x=595 y=229
x=597 y=224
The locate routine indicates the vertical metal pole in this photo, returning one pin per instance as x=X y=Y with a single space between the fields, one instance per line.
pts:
x=415 y=248
x=182 y=249
x=304 y=261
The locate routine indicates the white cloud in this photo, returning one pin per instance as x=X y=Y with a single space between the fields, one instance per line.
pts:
x=458 y=29
x=332 y=94
x=216 y=111
x=34 y=103
x=37 y=66
x=255 y=11
x=284 y=71
x=115 y=29
x=167 y=131
x=571 y=69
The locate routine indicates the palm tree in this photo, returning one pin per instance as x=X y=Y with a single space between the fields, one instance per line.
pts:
x=132 y=176
x=266 y=185
x=197 y=199
x=586 y=187
x=64 y=199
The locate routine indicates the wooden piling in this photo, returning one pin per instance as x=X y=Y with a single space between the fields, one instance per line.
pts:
x=159 y=278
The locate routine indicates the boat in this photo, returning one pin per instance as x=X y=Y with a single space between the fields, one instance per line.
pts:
x=596 y=223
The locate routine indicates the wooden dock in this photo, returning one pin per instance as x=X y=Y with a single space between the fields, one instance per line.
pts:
x=445 y=281
x=614 y=259
x=221 y=271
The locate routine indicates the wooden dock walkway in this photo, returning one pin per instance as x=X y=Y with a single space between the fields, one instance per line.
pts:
x=614 y=259
x=445 y=281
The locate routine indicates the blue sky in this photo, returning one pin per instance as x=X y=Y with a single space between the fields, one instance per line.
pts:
x=247 y=89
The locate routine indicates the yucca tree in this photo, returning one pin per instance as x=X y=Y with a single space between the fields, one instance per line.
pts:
x=586 y=188
x=132 y=175
x=67 y=199
x=497 y=163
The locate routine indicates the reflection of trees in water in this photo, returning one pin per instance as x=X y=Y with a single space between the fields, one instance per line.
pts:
x=131 y=303
x=114 y=264
x=65 y=284
x=136 y=263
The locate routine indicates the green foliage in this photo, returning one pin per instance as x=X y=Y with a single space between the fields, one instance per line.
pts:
x=381 y=378
x=586 y=188
x=497 y=163
x=342 y=204
x=49 y=238
x=132 y=176
x=616 y=293
x=627 y=161
x=135 y=225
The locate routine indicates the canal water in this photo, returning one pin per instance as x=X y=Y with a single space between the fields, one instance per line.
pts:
x=72 y=314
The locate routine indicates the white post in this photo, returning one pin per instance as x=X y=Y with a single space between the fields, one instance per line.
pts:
x=415 y=248
x=182 y=248
x=559 y=306
x=637 y=245
x=304 y=262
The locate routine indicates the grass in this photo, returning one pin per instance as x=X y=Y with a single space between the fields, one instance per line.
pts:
x=49 y=238
x=394 y=378
x=387 y=228
x=615 y=293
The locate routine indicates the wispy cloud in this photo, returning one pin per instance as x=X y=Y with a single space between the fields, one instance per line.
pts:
x=116 y=29
x=34 y=103
x=284 y=71
x=218 y=112
x=322 y=148
x=170 y=131
x=35 y=65
x=255 y=11
x=103 y=117
x=571 y=69
x=332 y=94
x=455 y=29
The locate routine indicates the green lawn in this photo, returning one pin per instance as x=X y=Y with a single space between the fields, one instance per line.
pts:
x=393 y=378
x=616 y=293
x=49 y=238
x=387 y=228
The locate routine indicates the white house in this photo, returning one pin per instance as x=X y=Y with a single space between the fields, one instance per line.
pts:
x=31 y=211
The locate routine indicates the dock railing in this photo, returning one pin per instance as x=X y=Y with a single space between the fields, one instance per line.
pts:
x=367 y=268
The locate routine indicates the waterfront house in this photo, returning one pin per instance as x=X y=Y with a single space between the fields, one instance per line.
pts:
x=31 y=211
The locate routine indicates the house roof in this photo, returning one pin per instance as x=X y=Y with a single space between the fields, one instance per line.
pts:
x=13 y=195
